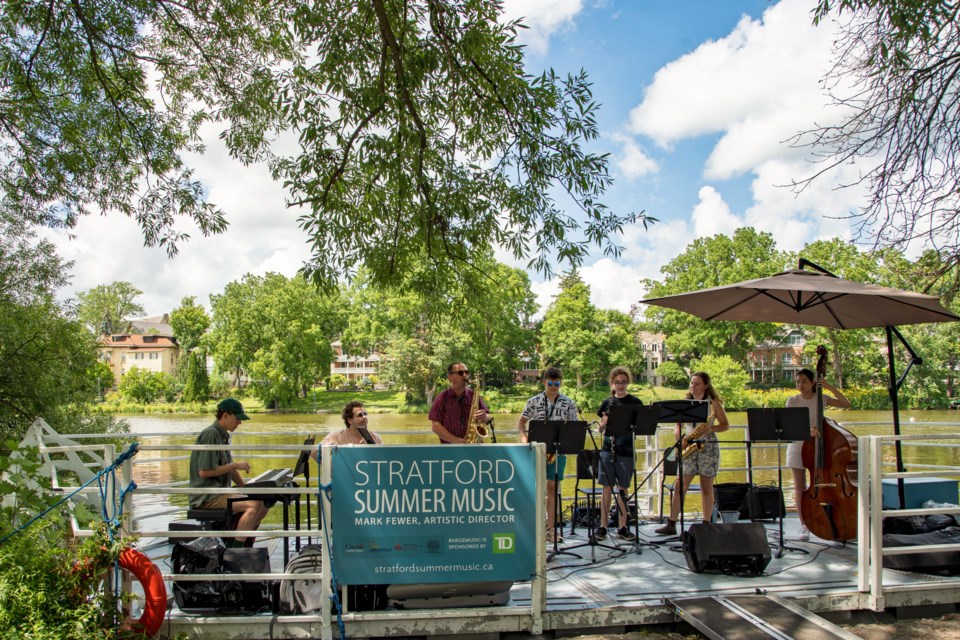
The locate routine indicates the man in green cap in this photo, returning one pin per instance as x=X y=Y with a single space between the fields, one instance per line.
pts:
x=215 y=469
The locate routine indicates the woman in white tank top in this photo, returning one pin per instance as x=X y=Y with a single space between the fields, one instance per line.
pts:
x=806 y=385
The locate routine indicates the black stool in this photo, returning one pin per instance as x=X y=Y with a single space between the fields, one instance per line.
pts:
x=212 y=519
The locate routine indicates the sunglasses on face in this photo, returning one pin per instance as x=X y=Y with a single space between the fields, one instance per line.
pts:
x=462 y=373
x=362 y=414
x=553 y=383
x=619 y=382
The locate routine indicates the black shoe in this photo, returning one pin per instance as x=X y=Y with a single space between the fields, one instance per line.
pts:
x=625 y=534
x=600 y=533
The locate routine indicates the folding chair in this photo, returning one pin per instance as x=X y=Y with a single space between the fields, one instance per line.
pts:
x=588 y=468
x=669 y=470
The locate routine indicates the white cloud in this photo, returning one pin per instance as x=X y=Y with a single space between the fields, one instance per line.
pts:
x=543 y=18
x=613 y=285
x=711 y=215
x=632 y=161
x=752 y=86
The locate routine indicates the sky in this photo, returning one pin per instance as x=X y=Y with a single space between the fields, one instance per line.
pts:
x=699 y=101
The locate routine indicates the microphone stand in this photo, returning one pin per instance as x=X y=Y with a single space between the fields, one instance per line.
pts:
x=591 y=536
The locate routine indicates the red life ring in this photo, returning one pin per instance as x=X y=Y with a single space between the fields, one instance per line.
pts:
x=154 y=590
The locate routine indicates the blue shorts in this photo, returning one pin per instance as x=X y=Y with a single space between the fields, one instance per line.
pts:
x=560 y=464
x=619 y=467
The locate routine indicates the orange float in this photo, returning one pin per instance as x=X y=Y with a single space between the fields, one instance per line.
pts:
x=154 y=590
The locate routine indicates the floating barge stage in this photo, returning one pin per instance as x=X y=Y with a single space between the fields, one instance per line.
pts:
x=611 y=587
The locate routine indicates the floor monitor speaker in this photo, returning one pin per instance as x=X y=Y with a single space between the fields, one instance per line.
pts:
x=739 y=549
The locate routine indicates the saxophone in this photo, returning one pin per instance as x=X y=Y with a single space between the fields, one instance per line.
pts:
x=476 y=430
x=697 y=434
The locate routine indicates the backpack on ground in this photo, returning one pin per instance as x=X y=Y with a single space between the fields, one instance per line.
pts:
x=303 y=595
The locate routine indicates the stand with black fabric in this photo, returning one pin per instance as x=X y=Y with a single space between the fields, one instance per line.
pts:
x=791 y=424
x=562 y=438
x=682 y=411
x=636 y=420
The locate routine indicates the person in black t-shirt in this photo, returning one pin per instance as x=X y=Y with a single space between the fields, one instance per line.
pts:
x=616 y=456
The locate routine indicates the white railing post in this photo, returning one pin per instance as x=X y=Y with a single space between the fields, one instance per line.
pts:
x=876 y=529
x=326 y=632
x=538 y=588
x=864 y=476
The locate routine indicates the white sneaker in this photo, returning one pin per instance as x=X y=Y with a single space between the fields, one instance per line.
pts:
x=804 y=534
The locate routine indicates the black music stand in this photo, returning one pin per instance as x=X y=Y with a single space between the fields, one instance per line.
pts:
x=641 y=421
x=592 y=541
x=682 y=411
x=562 y=437
x=303 y=467
x=791 y=424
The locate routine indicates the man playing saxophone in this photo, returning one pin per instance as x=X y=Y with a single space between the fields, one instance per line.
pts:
x=549 y=405
x=450 y=413
x=699 y=458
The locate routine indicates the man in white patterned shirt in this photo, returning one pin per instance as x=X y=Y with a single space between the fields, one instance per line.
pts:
x=549 y=405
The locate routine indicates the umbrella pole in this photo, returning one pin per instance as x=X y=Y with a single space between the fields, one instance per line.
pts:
x=894 y=391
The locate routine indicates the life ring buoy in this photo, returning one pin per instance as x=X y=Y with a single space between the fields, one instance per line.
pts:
x=154 y=590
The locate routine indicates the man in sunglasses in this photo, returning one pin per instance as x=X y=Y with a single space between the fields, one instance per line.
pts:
x=549 y=405
x=451 y=408
x=355 y=419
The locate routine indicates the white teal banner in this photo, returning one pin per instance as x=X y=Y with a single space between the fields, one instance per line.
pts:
x=438 y=513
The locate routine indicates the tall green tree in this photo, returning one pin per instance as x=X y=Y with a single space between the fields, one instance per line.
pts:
x=418 y=333
x=189 y=322
x=420 y=130
x=712 y=262
x=106 y=308
x=582 y=339
x=49 y=367
x=277 y=331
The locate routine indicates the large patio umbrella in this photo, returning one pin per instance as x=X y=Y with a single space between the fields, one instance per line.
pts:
x=821 y=299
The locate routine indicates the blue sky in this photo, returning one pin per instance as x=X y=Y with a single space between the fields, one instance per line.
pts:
x=698 y=99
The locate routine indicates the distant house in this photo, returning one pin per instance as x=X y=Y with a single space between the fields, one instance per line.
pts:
x=354 y=367
x=778 y=360
x=529 y=370
x=124 y=351
x=156 y=325
x=653 y=348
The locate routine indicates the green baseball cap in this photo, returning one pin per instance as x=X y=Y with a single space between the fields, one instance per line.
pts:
x=230 y=405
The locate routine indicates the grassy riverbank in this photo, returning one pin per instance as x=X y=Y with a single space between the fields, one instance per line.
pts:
x=321 y=400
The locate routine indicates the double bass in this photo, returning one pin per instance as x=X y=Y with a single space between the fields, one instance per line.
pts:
x=829 y=505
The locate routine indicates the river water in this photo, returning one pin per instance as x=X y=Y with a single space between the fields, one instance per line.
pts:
x=162 y=467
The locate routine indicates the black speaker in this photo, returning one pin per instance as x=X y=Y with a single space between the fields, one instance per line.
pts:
x=739 y=549
x=766 y=503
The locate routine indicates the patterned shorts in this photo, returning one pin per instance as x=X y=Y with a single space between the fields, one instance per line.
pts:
x=706 y=461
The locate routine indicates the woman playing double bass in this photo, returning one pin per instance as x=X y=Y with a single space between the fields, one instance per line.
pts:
x=807 y=386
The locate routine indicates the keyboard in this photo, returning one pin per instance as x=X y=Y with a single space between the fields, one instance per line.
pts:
x=271 y=478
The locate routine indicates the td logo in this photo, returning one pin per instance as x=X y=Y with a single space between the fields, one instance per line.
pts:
x=504 y=543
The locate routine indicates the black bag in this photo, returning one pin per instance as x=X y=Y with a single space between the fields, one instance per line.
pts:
x=944 y=563
x=203 y=555
x=911 y=525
